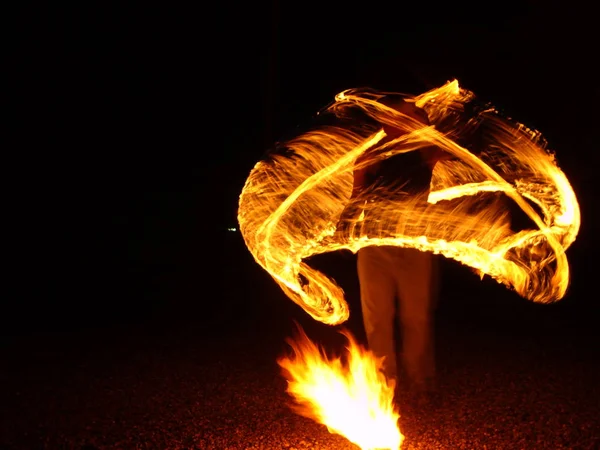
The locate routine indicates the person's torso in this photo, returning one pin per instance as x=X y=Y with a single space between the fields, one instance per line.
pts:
x=405 y=173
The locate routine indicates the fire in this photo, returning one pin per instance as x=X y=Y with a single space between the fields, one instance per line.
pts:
x=291 y=202
x=349 y=395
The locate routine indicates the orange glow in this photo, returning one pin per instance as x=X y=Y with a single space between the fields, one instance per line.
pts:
x=349 y=395
x=291 y=203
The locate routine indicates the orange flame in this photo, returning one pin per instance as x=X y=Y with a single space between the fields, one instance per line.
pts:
x=350 y=396
x=291 y=203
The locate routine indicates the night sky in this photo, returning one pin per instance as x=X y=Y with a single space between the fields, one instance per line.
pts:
x=136 y=128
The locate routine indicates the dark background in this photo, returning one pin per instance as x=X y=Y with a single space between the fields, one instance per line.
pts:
x=137 y=126
x=132 y=318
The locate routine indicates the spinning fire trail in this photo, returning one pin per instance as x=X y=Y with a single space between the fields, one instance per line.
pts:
x=291 y=203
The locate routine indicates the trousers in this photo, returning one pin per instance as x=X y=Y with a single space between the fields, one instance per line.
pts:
x=399 y=286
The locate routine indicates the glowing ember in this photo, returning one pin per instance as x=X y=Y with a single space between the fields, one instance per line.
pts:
x=350 y=395
x=291 y=203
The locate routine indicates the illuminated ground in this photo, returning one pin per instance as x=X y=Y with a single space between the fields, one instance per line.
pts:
x=207 y=382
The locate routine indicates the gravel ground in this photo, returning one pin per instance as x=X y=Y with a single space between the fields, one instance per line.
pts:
x=183 y=387
x=211 y=382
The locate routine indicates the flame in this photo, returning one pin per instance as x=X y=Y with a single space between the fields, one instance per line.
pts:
x=292 y=201
x=350 y=395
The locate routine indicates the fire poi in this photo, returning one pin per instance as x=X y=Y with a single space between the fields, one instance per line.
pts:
x=292 y=200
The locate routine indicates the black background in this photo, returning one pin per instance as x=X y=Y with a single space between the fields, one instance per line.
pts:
x=136 y=127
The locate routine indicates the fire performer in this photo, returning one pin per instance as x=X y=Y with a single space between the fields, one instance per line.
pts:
x=396 y=283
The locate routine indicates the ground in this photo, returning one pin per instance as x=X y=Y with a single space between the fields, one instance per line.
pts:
x=206 y=377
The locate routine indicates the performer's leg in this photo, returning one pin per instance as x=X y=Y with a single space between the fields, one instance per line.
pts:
x=378 y=297
x=414 y=275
